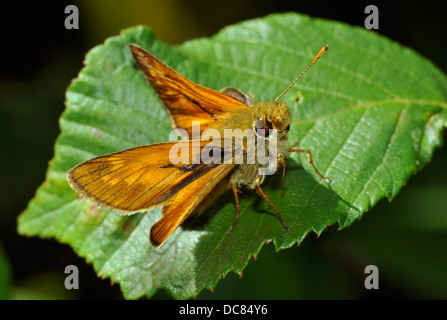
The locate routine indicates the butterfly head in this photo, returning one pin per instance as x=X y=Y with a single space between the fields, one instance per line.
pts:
x=272 y=115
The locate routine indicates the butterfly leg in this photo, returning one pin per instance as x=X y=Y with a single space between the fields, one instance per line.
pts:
x=309 y=154
x=263 y=196
x=284 y=164
x=236 y=198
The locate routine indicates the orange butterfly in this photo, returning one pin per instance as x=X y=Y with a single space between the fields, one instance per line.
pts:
x=141 y=178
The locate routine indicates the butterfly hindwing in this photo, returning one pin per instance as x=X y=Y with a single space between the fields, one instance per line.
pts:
x=186 y=201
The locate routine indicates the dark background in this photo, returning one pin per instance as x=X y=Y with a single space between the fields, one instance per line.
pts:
x=39 y=57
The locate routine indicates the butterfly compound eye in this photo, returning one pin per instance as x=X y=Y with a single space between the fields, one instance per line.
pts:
x=262 y=127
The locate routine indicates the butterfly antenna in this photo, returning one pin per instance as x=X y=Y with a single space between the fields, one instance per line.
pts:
x=322 y=51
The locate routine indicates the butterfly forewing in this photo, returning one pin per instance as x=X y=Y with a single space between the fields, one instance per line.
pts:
x=185 y=100
x=136 y=179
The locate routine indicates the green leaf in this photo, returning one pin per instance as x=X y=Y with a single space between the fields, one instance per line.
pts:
x=371 y=112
